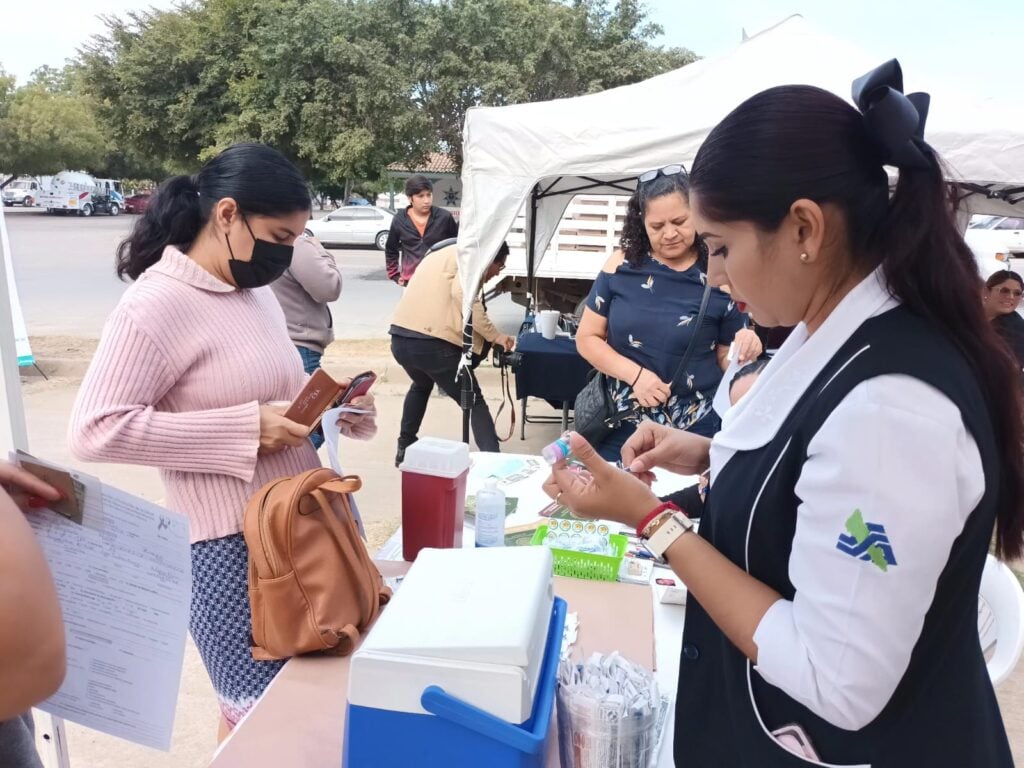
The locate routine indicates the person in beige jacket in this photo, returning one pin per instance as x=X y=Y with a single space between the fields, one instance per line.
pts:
x=426 y=340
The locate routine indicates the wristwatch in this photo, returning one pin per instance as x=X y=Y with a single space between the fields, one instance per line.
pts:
x=665 y=530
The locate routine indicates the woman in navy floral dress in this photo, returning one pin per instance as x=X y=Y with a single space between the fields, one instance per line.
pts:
x=642 y=311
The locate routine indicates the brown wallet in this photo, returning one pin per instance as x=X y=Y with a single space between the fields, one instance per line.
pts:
x=319 y=394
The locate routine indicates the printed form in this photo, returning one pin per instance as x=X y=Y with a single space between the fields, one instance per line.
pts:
x=124 y=578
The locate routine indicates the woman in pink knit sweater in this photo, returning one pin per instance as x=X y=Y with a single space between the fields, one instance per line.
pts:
x=188 y=361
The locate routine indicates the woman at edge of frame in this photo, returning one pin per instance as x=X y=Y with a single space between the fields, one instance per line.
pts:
x=832 y=617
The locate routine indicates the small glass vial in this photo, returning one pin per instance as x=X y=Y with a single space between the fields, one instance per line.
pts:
x=558 y=450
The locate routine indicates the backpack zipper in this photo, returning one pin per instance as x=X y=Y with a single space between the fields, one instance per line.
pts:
x=264 y=531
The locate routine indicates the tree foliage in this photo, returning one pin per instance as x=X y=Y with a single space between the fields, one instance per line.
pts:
x=43 y=132
x=343 y=87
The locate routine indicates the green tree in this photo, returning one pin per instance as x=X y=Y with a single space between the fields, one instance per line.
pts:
x=323 y=80
x=345 y=87
x=52 y=79
x=43 y=132
x=6 y=90
x=315 y=78
x=498 y=52
x=159 y=78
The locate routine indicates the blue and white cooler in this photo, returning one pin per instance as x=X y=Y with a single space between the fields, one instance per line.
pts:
x=461 y=667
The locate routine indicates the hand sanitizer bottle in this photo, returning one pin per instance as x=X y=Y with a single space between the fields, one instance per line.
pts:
x=490 y=515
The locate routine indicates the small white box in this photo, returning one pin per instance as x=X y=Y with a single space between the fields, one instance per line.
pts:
x=471 y=621
x=671 y=595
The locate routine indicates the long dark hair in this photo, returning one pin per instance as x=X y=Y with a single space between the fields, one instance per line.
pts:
x=259 y=178
x=634 y=241
x=799 y=142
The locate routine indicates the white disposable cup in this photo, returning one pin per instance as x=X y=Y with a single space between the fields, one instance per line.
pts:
x=547 y=322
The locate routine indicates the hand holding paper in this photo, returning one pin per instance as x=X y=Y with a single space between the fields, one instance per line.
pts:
x=26 y=489
x=358 y=419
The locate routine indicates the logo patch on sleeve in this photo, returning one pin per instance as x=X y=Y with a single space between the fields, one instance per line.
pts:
x=866 y=541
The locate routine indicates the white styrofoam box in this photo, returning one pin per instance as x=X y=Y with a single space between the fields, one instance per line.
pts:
x=436 y=457
x=472 y=621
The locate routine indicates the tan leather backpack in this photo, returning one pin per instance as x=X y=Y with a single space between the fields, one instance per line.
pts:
x=312 y=584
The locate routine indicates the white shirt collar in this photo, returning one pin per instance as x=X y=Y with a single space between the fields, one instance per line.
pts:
x=756 y=419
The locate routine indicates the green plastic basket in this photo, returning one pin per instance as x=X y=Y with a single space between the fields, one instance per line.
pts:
x=584 y=565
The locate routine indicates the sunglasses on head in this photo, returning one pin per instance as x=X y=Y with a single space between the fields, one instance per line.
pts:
x=668 y=170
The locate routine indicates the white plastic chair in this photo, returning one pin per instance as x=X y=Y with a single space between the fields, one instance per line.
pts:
x=1000 y=618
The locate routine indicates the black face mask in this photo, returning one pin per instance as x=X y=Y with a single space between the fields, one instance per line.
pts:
x=269 y=261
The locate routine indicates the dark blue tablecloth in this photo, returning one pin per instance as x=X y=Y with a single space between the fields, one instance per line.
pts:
x=552 y=370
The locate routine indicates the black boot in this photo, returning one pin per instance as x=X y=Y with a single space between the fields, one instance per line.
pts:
x=400 y=456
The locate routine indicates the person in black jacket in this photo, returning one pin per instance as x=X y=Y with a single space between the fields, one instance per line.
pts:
x=1002 y=298
x=415 y=229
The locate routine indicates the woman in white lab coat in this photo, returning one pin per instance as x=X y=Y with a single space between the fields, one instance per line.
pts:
x=854 y=491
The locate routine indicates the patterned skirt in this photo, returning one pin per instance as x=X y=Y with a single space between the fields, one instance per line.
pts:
x=220 y=624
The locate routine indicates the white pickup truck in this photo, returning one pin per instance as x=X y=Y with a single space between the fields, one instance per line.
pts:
x=997 y=242
x=587 y=235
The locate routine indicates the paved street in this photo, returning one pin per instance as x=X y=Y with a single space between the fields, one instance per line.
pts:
x=64 y=269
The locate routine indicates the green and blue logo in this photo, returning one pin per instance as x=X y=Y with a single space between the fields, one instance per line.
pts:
x=866 y=541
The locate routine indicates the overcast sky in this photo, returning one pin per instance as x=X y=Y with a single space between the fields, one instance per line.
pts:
x=976 y=46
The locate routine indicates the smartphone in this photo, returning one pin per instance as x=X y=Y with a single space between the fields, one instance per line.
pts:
x=796 y=740
x=358 y=387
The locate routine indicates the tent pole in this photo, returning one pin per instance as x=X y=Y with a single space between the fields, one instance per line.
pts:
x=466 y=376
x=531 y=250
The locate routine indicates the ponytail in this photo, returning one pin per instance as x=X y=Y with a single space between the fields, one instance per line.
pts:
x=931 y=269
x=173 y=217
x=798 y=142
x=261 y=180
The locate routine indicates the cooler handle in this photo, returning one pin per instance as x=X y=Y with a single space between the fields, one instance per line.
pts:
x=439 y=702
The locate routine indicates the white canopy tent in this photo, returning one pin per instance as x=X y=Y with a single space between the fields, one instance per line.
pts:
x=545 y=153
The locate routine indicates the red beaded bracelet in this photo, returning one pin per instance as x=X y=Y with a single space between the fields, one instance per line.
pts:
x=657 y=511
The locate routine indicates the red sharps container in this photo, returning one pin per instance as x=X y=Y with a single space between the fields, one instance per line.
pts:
x=433 y=495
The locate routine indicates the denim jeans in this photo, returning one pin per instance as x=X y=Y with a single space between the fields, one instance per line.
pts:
x=429 y=362
x=18 y=744
x=310 y=362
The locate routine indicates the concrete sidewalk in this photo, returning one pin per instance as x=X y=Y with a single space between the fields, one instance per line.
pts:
x=48 y=405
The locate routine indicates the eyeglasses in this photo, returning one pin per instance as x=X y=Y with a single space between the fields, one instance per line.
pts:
x=1014 y=292
x=668 y=170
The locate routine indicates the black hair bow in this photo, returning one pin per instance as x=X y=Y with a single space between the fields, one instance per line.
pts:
x=895 y=121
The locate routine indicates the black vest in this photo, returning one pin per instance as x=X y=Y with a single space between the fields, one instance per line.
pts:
x=944 y=711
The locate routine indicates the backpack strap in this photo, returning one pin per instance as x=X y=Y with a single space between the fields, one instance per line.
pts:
x=347 y=484
x=361 y=568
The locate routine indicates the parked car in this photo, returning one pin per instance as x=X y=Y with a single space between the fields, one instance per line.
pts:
x=996 y=241
x=137 y=203
x=22 y=192
x=353 y=225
